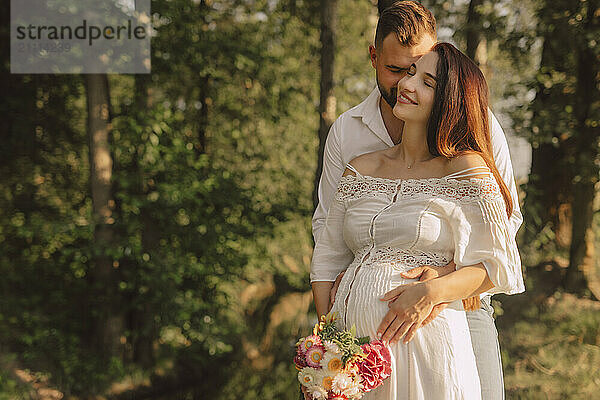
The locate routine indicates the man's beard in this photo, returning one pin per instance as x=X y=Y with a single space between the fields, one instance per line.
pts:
x=389 y=97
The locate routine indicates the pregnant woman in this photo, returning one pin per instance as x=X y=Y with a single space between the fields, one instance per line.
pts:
x=435 y=197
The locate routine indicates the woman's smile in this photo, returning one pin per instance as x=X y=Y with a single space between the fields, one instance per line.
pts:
x=403 y=98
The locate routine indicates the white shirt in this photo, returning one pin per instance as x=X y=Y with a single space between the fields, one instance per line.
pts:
x=361 y=130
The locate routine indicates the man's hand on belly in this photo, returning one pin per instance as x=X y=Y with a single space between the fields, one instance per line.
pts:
x=428 y=272
x=423 y=273
x=413 y=303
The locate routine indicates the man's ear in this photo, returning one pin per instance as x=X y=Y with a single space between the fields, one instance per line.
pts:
x=373 y=55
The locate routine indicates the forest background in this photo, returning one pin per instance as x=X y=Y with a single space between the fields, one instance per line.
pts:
x=175 y=265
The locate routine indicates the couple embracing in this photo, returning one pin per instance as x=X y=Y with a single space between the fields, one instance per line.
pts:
x=417 y=216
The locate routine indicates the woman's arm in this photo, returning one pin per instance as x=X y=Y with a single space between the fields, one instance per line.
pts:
x=468 y=281
x=451 y=287
x=412 y=303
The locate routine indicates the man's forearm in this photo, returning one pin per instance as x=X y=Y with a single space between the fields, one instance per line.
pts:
x=484 y=287
x=321 y=292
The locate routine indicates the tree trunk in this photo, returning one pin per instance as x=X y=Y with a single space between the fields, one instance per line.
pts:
x=473 y=30
x=106 y=325
x=327 y=100
x=476 y=41
x=548 y=201
x=548 y=195
x=141 y=320
x=581 y=254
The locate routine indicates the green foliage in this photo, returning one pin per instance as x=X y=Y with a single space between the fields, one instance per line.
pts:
x=212 y=166
x=553 y=349
x=346 y=340
x=10 y=386
x=213 y=161
x=557 y=120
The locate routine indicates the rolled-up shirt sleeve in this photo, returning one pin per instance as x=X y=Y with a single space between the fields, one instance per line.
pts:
x=482 y=234
x=331 y=254
x=504 y=165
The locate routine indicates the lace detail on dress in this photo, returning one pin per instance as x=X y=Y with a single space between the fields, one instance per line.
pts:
x=464 y=190
x=353 y=187
x=402 y=258
x=406 y=259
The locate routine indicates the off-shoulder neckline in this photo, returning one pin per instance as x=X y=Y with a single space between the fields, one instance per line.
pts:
x=453 y=176
x=400 y=180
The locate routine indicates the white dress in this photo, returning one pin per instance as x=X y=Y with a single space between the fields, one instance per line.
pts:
x=377 y=228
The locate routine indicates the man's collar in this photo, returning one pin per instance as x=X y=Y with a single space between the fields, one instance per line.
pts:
x=370 y=113
x=369 y=105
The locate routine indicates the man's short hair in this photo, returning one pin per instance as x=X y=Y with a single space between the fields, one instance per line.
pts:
x=409 y=20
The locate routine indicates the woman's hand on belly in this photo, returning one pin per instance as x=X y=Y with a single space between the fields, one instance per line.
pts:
x=423 y=274
x=413 y=304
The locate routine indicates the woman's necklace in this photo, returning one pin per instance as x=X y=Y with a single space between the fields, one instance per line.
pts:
x=409 y=166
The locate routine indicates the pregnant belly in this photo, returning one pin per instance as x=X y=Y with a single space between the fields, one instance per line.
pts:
x=357 y=301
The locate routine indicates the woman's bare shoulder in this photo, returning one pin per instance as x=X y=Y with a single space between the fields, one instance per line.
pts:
x=465 y=161
x=367 y=163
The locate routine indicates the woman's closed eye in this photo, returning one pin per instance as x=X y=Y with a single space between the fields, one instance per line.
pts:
x=412 y=70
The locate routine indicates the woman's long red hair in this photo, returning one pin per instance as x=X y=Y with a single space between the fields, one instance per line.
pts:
x=459 y=121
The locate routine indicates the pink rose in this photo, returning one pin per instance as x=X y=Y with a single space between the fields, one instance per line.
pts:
x=376 y=367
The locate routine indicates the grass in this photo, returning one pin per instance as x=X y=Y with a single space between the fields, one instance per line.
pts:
x=11 y=387
x=550 y=346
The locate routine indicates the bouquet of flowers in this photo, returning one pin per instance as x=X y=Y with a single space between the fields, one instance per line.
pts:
x=334 y=364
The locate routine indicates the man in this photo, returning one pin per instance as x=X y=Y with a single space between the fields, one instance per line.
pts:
x=406 y=30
